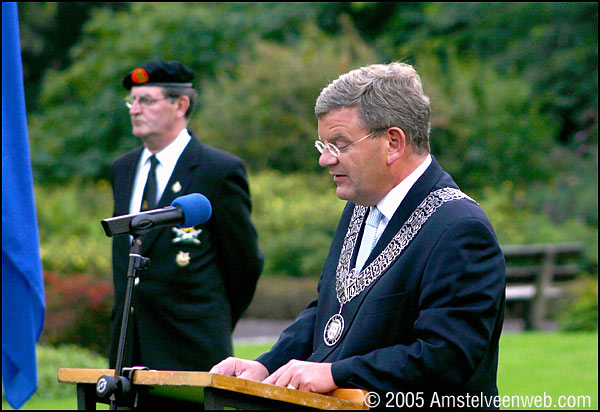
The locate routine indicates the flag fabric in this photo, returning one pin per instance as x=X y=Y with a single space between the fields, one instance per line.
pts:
x=23 y=301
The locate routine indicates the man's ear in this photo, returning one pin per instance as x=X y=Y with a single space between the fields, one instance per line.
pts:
x=397 y=144
x=183 y=104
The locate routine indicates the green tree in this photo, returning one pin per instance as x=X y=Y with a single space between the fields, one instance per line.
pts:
x=553 y=46
x=48 y=31
x=264 y=110
x=485 y=127
x=82 y=125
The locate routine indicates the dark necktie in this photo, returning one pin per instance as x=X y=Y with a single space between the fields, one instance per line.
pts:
x=149 y=198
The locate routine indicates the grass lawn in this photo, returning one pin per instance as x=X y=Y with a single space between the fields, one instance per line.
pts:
x=66 y=404
x=531 y=364
x=251 y=351
x=555 y=364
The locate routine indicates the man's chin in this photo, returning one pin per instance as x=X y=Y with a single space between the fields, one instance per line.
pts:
x=143 y=135
x=342 y=193
x=353 y=197
x=138 y=133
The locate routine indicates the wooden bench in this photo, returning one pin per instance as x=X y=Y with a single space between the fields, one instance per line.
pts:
x=534 y=274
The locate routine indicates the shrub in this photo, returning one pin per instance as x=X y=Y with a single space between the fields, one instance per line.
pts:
x=68 y=356
x=50 y=359
x=266 y=116
x=486 y=127
x=77 y=311
x=296 y=216
x=580 y=307
x=281 y=297
x=71 y=237
x=572 y=191
x=516 y=222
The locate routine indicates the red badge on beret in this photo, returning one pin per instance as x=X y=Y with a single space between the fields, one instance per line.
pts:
x=139 y=76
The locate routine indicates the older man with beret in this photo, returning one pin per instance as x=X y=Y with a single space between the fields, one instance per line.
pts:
x=201 y=279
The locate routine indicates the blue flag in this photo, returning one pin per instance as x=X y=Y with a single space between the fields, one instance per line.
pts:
x=23 y=299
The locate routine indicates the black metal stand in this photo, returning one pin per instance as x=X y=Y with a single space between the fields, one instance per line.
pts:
x=117 y=387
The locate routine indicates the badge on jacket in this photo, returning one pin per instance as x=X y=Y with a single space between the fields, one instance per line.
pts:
x=182 y=258
x=176 y=188
x=187 y=236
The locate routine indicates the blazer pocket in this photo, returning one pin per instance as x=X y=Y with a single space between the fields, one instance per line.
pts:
x=386 y=303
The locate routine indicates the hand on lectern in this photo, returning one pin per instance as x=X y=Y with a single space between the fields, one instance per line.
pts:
x=241 y=368
x=305 y=376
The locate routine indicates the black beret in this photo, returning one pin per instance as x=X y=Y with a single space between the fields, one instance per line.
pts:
x=160 y=73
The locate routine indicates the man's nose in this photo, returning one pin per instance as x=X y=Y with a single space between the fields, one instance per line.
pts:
x=327 y=159
x=135 y=107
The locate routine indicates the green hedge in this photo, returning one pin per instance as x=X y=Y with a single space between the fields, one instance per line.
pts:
x=71 y=237
x=517 y=222
x=78 y=308
x=281 y=297
x=50 y=359
x=295 y=215
x=578 y=311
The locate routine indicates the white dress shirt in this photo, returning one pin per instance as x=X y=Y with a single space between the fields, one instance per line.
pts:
x=390 y=202
x=167 y=159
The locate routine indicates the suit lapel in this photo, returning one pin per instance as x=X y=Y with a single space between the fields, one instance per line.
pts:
x=123 y=184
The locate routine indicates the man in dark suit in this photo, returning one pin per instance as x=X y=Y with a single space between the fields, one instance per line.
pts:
x=201 y=279
x=411 y=298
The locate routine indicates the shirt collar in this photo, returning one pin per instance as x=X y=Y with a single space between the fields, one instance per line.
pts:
x=390 y=202
x=169 y=155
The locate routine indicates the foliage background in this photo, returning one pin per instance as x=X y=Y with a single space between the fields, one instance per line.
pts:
x=514 y=88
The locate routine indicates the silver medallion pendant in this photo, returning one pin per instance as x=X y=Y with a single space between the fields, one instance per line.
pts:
x=333 y=329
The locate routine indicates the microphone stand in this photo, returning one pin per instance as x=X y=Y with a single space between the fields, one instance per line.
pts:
x=119 y=385
x=136 y=263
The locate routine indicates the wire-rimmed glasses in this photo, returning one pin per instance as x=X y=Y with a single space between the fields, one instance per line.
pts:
x=144 y=101
x=333 y=149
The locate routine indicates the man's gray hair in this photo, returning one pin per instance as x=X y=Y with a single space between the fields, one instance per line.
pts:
x=386 y=95
x=190 y=92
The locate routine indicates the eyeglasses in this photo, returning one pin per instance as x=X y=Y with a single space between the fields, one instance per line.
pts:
x=144 y=101
x=333 y=149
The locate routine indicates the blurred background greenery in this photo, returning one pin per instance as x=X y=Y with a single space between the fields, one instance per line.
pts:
x=514 y=89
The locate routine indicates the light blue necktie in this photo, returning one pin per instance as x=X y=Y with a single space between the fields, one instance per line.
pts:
x=369 y=238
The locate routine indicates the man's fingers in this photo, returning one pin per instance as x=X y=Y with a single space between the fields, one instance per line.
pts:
x=272 y=378
x=304 y=376
x=282 y=376
x=241 y=368
x=225 y=367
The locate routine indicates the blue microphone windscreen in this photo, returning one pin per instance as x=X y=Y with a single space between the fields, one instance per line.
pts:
x=196 y=209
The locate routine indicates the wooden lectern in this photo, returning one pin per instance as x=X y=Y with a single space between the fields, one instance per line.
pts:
x=214 y=391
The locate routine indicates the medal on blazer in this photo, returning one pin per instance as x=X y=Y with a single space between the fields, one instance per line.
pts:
x=333 y=329
x=350 y=284
x=182 y=258
x=187 y=235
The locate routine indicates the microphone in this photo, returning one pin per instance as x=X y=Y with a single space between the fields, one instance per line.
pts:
x=185 y=211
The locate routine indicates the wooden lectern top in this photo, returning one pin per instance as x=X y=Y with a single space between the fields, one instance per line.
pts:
x=189 y=386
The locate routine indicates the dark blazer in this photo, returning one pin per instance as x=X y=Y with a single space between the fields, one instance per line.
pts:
x=184 y=312
x=430 y=323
